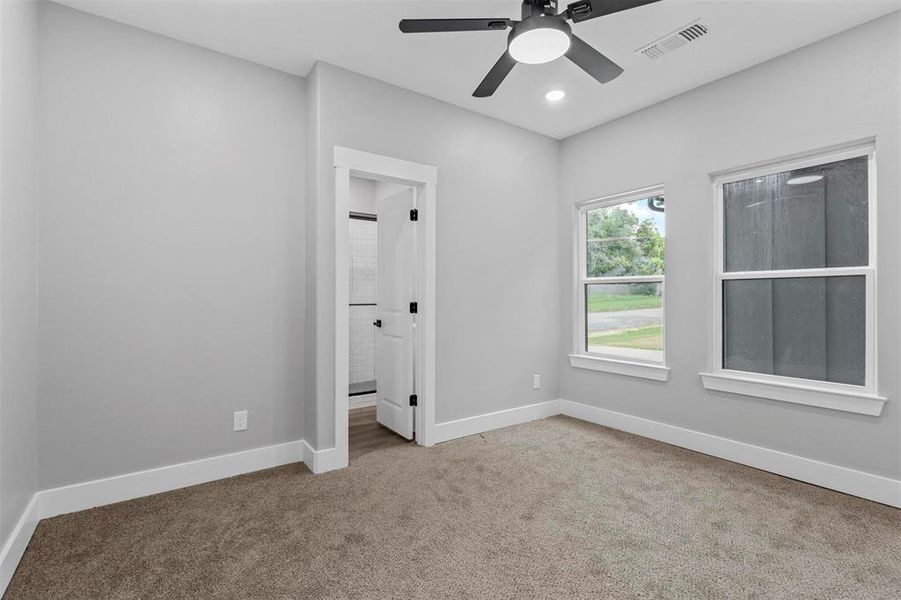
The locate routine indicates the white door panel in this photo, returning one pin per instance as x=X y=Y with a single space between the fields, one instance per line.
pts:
x=394 y=339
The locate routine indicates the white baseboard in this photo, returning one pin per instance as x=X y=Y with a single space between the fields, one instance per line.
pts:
x=452 y=430
x=81 y=496
x=15 y=545
x=321 y=461
x=850 y=481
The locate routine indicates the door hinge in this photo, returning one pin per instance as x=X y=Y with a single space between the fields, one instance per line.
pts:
x=414 y=400
x=414 y=308
x=414 y=214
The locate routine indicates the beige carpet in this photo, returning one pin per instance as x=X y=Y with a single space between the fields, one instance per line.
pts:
x=551 y=509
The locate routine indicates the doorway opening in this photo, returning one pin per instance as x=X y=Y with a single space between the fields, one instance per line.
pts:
x=385 y=298
x=381 y=325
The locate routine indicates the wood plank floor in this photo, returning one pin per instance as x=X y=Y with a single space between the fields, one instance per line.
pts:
x=367 y=435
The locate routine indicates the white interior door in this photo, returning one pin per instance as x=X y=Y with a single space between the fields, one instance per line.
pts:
x=394 y=339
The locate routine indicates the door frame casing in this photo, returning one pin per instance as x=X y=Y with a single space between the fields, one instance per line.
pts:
x=423 y=179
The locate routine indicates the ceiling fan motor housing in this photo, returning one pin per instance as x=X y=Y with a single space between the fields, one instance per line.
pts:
x=531 y=8
x=539 y=22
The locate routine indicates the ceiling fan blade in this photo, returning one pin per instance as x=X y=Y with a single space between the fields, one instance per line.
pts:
x=495 y=76
x=593 y=62
x=437 y=25
x=592 y=9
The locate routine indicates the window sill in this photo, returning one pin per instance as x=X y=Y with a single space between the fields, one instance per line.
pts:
x=839 y=397
x=620 y=367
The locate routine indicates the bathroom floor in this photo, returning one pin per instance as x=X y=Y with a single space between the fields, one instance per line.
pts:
x=367 y=435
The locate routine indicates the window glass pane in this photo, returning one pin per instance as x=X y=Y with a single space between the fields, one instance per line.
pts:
x=626 y=239
x=806 y=327
x=809 y=218
x=625 y=319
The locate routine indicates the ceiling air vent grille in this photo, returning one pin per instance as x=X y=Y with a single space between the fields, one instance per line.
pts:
x=674 y=41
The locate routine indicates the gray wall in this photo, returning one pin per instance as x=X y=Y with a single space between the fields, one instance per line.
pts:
x=172 y=251
x=18 y=259
x=839 y=90
x=497 y=314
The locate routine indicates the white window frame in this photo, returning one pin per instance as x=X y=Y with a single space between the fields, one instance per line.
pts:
x=863 y=399
x=634 y=364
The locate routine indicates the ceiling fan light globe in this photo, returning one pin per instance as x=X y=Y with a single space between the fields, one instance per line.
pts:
x=537 y=46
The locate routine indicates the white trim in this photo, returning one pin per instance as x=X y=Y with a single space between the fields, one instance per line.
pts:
x=657 y=372
x=843 y=479
x=797 y=273
x=864 y=399
x=342 y=317
x=581 y=279
x=81 y=496
x=623 y=197
x=625 y=279
x=452 y=430
x=109 y=490
x=799 y=391
x=322 y=461
x=849 y=481
x=49 y=503
x=17 y=541
x=638 y=355
x=872 y=332
x=794 y=162
x=425 y=320
x=423 y=178
x=384 y=168
x=579 y=272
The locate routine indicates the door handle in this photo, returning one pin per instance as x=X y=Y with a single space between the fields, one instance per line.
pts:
x=377 y=323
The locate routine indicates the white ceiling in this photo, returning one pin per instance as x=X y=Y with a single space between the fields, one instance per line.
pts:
x=362 y=36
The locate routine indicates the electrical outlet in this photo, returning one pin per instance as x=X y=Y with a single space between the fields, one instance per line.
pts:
x=240 y=420
x=536 y=382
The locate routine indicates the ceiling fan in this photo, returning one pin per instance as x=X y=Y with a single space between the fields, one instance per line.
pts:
x=541 y=36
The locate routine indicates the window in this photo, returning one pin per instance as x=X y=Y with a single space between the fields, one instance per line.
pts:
x=795 y=279
x=622 y=242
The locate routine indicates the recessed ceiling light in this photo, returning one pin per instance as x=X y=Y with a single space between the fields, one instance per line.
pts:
x=804 y=179
x=555 y=95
